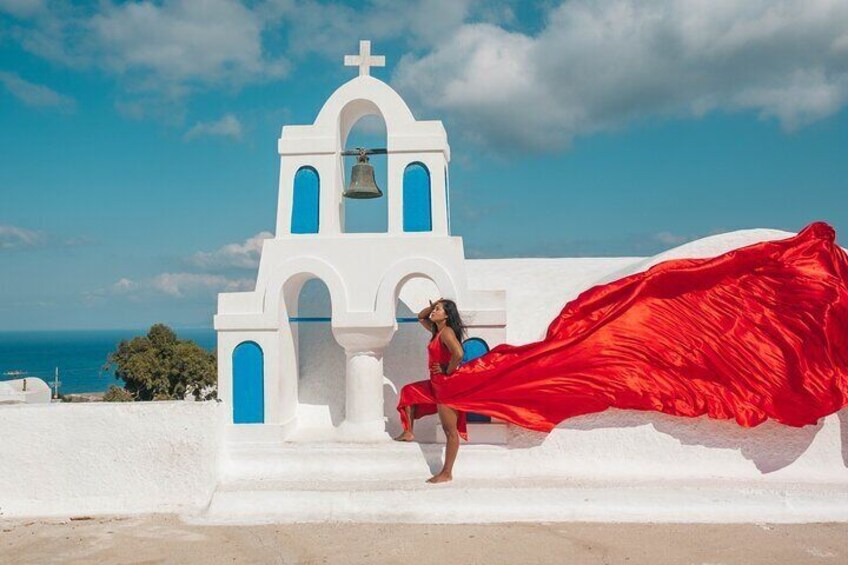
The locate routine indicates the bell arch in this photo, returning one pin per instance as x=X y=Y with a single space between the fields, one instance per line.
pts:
x=367 y=215
x=358 y=97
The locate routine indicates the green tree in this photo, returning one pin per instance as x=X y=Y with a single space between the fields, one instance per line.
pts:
x=159 y=366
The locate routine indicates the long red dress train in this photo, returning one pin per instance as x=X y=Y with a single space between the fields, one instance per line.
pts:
x=758 y=332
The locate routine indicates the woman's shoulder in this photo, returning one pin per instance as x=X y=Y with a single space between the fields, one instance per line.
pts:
x=447 y=333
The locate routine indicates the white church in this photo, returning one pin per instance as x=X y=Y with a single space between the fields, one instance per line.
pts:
x=308 y=381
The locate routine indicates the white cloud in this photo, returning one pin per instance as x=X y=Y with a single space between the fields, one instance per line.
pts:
x=184 y=41
x=220 y=274
x=12 y=237
x=590 y=66
x=164 y=51
x=334 y=29
x=124 y=285
x=599 y=65
x=227 y=126
x=183 y=284
x=233 y=255
x=238 y=256
x=35 y=95
x=161 y=52
x=171 y=285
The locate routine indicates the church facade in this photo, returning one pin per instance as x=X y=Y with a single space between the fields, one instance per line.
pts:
x=259 y=371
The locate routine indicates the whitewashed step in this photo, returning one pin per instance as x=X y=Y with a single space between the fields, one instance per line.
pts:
x=387 y=460
x=483 y=501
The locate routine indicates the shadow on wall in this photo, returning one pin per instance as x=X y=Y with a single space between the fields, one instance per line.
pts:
x=321 y=363
x=756 y=444
x=320 y=359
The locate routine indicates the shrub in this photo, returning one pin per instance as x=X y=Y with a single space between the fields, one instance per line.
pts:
x=158 y=366
x=117 y=394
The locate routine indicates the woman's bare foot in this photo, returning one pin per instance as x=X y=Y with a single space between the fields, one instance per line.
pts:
x=405 y=436
x=440 y=478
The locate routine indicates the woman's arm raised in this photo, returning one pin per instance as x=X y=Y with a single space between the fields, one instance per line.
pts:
x=424 y=316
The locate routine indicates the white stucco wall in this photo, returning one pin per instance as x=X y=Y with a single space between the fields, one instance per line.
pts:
x=71 y=459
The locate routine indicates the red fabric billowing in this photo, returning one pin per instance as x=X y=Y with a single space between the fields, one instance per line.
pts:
x=758 y=332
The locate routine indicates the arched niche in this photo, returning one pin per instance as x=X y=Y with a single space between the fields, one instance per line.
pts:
x=305 y=201
x=320 y=359
x=248 y=384
x=417 y=206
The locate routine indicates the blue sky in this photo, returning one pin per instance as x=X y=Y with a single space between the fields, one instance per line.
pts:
x=138 y=165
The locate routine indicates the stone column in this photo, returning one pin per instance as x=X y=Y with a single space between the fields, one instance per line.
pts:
x=364 y=386
x=364 y=349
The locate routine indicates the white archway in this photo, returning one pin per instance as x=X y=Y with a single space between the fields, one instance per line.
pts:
x=405 y=269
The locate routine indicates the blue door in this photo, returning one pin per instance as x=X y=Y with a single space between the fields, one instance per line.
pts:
x=417 y=214
x=248 y=386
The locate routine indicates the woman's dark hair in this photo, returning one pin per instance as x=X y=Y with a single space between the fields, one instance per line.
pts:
x=453 y=319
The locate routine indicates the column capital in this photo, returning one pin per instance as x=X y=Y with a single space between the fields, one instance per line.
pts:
x=360 y=339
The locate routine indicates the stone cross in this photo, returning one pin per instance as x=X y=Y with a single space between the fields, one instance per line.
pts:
x=364 y=60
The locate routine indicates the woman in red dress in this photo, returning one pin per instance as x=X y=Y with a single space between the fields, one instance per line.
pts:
x=444 y=354
x=759 y=332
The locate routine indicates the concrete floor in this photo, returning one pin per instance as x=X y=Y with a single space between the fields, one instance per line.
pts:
x=166 y=539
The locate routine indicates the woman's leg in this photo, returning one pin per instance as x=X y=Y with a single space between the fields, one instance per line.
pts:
x=407 y=435
x=448 y=417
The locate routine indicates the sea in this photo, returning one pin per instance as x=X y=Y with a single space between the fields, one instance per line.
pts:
x=78 y=354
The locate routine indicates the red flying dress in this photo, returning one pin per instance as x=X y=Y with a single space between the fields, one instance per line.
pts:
x=755 y=333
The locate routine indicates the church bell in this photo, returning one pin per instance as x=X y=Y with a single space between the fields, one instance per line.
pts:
x=362 y=182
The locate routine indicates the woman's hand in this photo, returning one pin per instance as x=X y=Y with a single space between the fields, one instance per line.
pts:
x=436 y=368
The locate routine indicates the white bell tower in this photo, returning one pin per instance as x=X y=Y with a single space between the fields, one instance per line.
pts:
x=257 y=341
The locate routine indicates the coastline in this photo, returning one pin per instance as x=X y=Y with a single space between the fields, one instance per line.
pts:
x=80 y=355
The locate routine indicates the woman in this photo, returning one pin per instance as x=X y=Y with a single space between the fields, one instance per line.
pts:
x=418 y=399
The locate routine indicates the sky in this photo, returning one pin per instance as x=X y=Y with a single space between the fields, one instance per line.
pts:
x=138 y=164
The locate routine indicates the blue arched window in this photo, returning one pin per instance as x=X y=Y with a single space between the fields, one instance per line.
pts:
x=248 y=384
x=472 y=348
x=417 y=211
x=305 y=201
